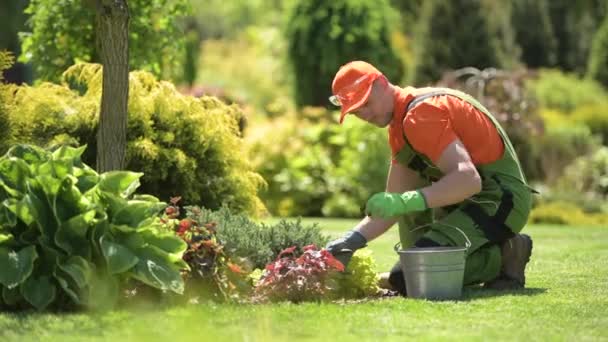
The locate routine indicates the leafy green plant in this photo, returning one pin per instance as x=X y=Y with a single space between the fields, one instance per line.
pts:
x=566 y=213
x=211 y=273
x=257 y=244
x=360 y=279
x=69 y=236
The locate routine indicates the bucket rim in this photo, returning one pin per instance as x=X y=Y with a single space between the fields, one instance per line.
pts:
x=416 y=250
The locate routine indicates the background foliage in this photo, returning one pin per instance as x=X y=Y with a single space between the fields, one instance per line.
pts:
x=63 y=33
x=185 y=146
x=323 y=35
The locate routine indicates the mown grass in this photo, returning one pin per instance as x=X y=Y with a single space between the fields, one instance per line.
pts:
x=566 y=300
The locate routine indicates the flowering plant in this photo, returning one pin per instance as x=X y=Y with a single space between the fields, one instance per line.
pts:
x=308 y=277
x=210 y=269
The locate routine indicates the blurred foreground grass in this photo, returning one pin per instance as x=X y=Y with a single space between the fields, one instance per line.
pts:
x=566 y=299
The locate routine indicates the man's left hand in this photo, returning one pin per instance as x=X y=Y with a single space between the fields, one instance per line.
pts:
x=388 y=204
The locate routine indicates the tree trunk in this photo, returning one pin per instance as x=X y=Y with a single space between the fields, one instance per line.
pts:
x=113 y=35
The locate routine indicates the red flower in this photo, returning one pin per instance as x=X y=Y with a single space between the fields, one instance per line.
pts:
x=184 y=225
x=170 y=210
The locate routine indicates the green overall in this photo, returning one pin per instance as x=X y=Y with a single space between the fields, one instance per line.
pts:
x=488 y=218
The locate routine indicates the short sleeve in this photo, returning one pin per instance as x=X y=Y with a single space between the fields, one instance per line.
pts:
x=429 y=130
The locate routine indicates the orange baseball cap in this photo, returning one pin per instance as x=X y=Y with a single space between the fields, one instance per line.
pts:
x=352 y=85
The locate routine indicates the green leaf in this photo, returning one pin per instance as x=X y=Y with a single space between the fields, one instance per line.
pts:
x=79 y=270
x=29 y=153
x=13 y=175
x=72 y=234
x=137 y=211
x=155 y=269
x=69 y=152
x=11 y=296
x=16 y=266
x=70 y=201
x=119 y=258
x=6 y=238
x=166 y=242
x=144 y=197
x=69 y=286
x=40 y=292
x=122 y=183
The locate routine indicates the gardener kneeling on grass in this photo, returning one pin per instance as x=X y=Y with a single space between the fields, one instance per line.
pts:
x=448 y=152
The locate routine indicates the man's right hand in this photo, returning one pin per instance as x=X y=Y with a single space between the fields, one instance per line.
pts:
x=344 y=247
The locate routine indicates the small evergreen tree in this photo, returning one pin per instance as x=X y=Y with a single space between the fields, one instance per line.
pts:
x=598 y=59
x=452 y=34
x=323 y=35
x=537 y=42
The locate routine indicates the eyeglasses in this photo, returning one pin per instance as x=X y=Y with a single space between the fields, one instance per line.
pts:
x=347 y=93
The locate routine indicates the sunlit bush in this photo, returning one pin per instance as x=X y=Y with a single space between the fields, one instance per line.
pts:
x=185 y=146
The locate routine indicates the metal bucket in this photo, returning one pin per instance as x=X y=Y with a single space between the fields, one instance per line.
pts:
x=433 y=272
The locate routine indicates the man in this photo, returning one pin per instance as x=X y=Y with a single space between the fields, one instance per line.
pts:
x=447 y=152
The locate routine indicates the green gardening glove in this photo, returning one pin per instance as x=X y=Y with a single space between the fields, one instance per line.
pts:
x=388 y=204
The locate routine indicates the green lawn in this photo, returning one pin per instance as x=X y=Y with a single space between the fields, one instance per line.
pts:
x=566 y=300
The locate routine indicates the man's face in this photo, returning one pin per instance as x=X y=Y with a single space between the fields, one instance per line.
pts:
x=375 y=109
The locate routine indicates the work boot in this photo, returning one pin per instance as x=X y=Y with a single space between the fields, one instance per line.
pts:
x=515 y=253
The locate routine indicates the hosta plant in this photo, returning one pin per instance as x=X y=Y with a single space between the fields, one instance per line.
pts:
x=70 y=236
x=308 y=277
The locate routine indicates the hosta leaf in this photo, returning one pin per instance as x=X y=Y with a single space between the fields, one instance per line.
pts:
x=14 y=174
x=137 y=211
x=29 y=153
x=144 y=197
x=155 y=269
x=72 y=234
x=6 y=238
x=119 y=258
x=69 y=286
x=122 y=183
x=69 y=152
x=79 y=270
x=15 y=267
x=113 y=203
x=166 y=242
x=7 y=218
x=20 y=209
x=11 y=296
x=40 y=292
x=70 y=201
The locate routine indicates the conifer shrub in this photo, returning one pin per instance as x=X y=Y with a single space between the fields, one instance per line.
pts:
x=323 y=35
x=184 y=145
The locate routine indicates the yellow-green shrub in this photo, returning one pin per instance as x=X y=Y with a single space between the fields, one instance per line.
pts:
x=565 y=213
x=595 y=117
x=185 y=146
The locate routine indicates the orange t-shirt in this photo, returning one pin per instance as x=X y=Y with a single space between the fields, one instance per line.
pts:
x=436 y=122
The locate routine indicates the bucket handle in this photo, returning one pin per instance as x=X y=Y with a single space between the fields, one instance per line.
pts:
x=467 y=244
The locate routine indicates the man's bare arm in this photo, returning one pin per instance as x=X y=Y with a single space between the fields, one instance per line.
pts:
x=460 y=181
x=400 y=179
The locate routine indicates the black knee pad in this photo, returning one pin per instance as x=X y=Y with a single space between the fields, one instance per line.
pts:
x=396 y=279
x=426 y=242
